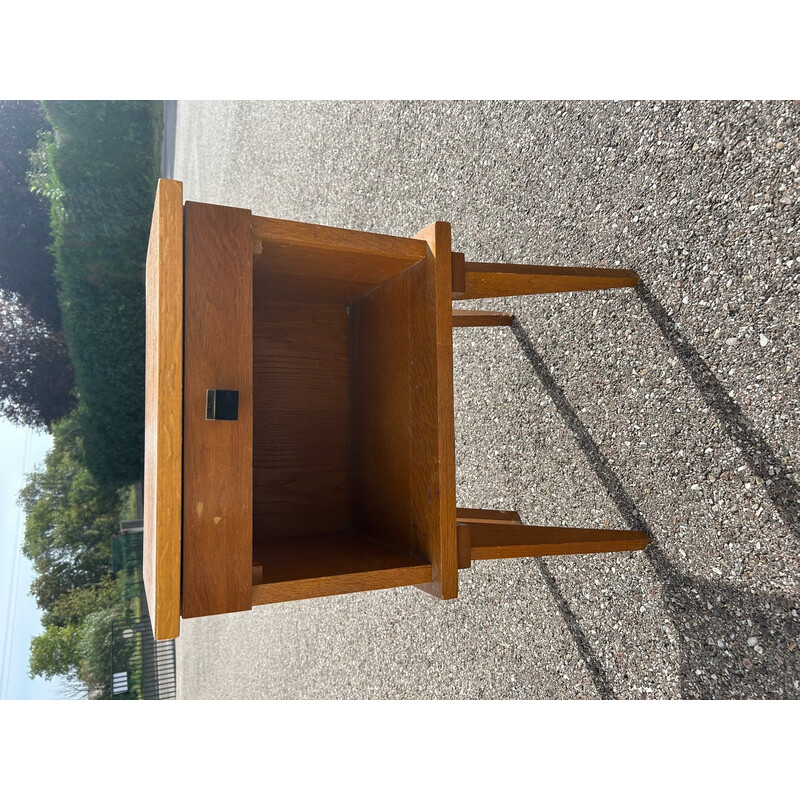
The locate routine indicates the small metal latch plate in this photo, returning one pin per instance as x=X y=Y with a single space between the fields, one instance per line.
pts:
x=222 y=404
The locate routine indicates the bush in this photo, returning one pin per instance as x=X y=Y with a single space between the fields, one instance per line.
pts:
x=105 y=166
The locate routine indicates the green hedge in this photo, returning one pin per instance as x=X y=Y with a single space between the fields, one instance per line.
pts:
x=105 y=162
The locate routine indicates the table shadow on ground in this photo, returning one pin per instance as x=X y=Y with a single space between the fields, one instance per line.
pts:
x=717 y=661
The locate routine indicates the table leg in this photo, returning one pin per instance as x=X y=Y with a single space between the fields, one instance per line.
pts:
x=462 y=318
x=487 y=515
x=490 y=539
x=502 y=280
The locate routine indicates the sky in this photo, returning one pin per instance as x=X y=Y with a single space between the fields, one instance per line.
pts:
x=21 y=449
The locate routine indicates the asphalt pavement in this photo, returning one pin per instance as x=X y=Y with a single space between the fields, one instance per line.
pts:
x=673 y=406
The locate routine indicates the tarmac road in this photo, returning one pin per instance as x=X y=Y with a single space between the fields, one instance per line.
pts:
x=672 y=406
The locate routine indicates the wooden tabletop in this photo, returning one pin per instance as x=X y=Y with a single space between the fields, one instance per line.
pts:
x=164 y=412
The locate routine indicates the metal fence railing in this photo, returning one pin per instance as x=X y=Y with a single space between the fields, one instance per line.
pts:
x=141 y=667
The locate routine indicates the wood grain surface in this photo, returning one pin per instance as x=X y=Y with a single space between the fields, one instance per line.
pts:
x=383 y=405
x=347 y=263
x=458 y=278
x=463 y=318
x=218 y=454
x=400 y=479
x=487 y=515
x=161 y=567
x=295 y=568
x=315 y=556
x=305 y=236
x=344 y=343
x=301 y=419
x=463 y=546
x=434 y=497
x=329 y=585
x=500 y=280
x=491 y=540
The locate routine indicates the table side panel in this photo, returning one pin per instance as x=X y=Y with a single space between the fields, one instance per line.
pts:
x=381 y=412
x=440 y=464
x=345 y=263
x=218 y=454
x=402 y=421
x=317 y=566
x=302 y=236
x=329 y=585
x=161 y=566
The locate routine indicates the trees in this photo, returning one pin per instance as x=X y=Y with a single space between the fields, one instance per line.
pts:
x=72 y=608
x=69 y=521
x=26 y=263
x=36 y=377
x=96 y=166
x=80 y=654
x=68 y=527
x=54 y=653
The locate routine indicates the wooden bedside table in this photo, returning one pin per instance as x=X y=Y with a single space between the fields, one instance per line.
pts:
x=299 y=437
